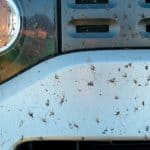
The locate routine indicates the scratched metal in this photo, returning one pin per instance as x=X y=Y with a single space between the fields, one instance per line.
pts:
x=101 y=95
x=130 y=18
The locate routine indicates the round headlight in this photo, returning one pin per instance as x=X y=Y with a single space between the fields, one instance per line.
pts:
x=9 y=24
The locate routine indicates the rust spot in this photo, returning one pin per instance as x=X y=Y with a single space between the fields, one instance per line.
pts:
x=97 y=120
x=116 y=97
x=147 y=128
x=136 y=109
x=51 y=114
x=104 y=132
x=139 y=132
x=112 y=129
x=76 y=126
x=148 y=79
x=136 y=97
x=128 y=65
x=21 y=123
x=47 y=103
x=79 y=90
x=125 y=75
x=93 y=68
x=76 y=81
x=100 y=93
x=73 y=125
x=31 y=114
x=91 y=83
x=62 y=100
x=117 y=113
x=143 y=103
x=113 y=80
x=70 y=126
x=135 y=81
x=56 y=77
x=44 y=120
x=146 y=67
x=42 y=84
x=46 y=90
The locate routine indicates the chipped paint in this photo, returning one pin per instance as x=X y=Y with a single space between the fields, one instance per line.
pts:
x=84 y=95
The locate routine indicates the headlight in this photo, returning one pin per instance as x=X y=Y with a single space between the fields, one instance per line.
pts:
x=9 y=24
x=27 y=34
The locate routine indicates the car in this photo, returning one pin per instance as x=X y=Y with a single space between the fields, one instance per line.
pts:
x=74 y=74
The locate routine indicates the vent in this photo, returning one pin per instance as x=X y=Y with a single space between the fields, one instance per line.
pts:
x=70 y=145
x=144 y=27
x=91 y=1
x=99 y=24
x=147 y=28
x=147 y=1
x=92 y=28
x=92 y=25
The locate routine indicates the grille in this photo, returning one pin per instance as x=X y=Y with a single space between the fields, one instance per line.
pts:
x=90 y=145
x=96 y=24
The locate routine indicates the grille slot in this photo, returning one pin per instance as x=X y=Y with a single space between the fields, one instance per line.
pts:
x=92 y=28
x=87 y=145
x=91 y=1
x=92 y=25
x=144 y=27
x=147 y=1
x=147 y=28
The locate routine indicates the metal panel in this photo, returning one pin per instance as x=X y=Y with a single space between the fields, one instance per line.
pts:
x=102 y=95
x=130 y=17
